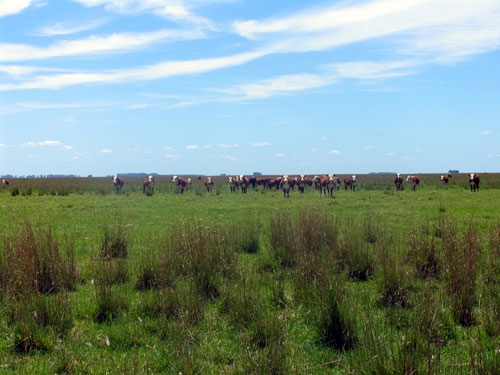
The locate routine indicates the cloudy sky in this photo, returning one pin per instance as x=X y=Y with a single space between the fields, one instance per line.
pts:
x=99 y=87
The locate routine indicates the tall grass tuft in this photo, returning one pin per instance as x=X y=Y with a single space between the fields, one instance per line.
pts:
x=424 y=254
x=266 y=347
x=461 y=250
x=357 y=249
x=114 y=243
x=33 y=263
x=491 y=289
x=335 y=328
x=282 y=238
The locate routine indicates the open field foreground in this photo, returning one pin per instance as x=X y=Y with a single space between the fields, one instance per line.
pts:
x=372 y=281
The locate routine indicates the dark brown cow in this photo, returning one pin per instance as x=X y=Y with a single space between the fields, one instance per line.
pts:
x=148 y=185
x=209 y=184
x=398 y=181
x=181 y=183
x=474 y=182
x=350 y=182
x=118 y=182
x=414 y=181
x=285 y=185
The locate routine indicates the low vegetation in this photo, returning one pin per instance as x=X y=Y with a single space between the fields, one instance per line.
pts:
x=368 y=282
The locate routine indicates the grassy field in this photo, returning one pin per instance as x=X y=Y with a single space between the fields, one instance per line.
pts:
x=368 y=282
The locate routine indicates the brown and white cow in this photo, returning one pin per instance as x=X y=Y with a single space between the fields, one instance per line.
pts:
x=5 y=182
x=301 y=183
x=474 y=182
x=148 y=185
x=285 y=185
x=328 y=184
x=350 y=182
x=244 y=182
x=118 y=182
x=209 y=184
x=181 y=183
x=233 y=183
x=445 y=178
x=414 y=181
x=398 y=181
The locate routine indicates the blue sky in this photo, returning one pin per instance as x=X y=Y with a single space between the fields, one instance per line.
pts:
x=100 y=87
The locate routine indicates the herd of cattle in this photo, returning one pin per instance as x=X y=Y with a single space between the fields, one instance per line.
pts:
x=326 y=184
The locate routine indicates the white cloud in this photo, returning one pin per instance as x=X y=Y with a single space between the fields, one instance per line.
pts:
x=223 y=145
x=94 y=44
x=106 y=151
x=177 y=10
x=8 y=7
x=279 y=155
x=334 y=152
x=486 y=132
x=41 y=144
x=261 y=144
x=169 y=148
x=192 y=147
x=66 y=29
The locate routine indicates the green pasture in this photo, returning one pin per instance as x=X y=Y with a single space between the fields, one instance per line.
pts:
x=374 y=281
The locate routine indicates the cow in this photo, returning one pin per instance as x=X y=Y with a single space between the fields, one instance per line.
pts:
x=445 y=178
x=414 y=181
x=398 y=181
x=233 y=184
x=118 y=182
x=301 y=183
x=5 y=182
x=148 y=185
x=244 y=183
x=350 y=182
x=209 y=184
x=181 y=183
x=285 y=185
x=474 y=182
x=328 y=184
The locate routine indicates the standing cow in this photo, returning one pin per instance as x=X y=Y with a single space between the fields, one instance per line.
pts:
x=209 y=184
x=148 y=185
x=285 y=186
x=474 y=182
x=445 y=179
x=328 y=184
x=398 y=181
x=350 y=182
x=181 y=183
x=5 y=182
x=414 y=181
x=244 y=183
x=118 y=182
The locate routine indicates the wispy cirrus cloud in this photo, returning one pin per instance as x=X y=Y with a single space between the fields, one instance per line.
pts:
x=95 y=44
x=65 y=28
x=176 y=10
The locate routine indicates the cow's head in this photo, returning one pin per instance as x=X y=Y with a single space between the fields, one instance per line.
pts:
x=175 y=178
